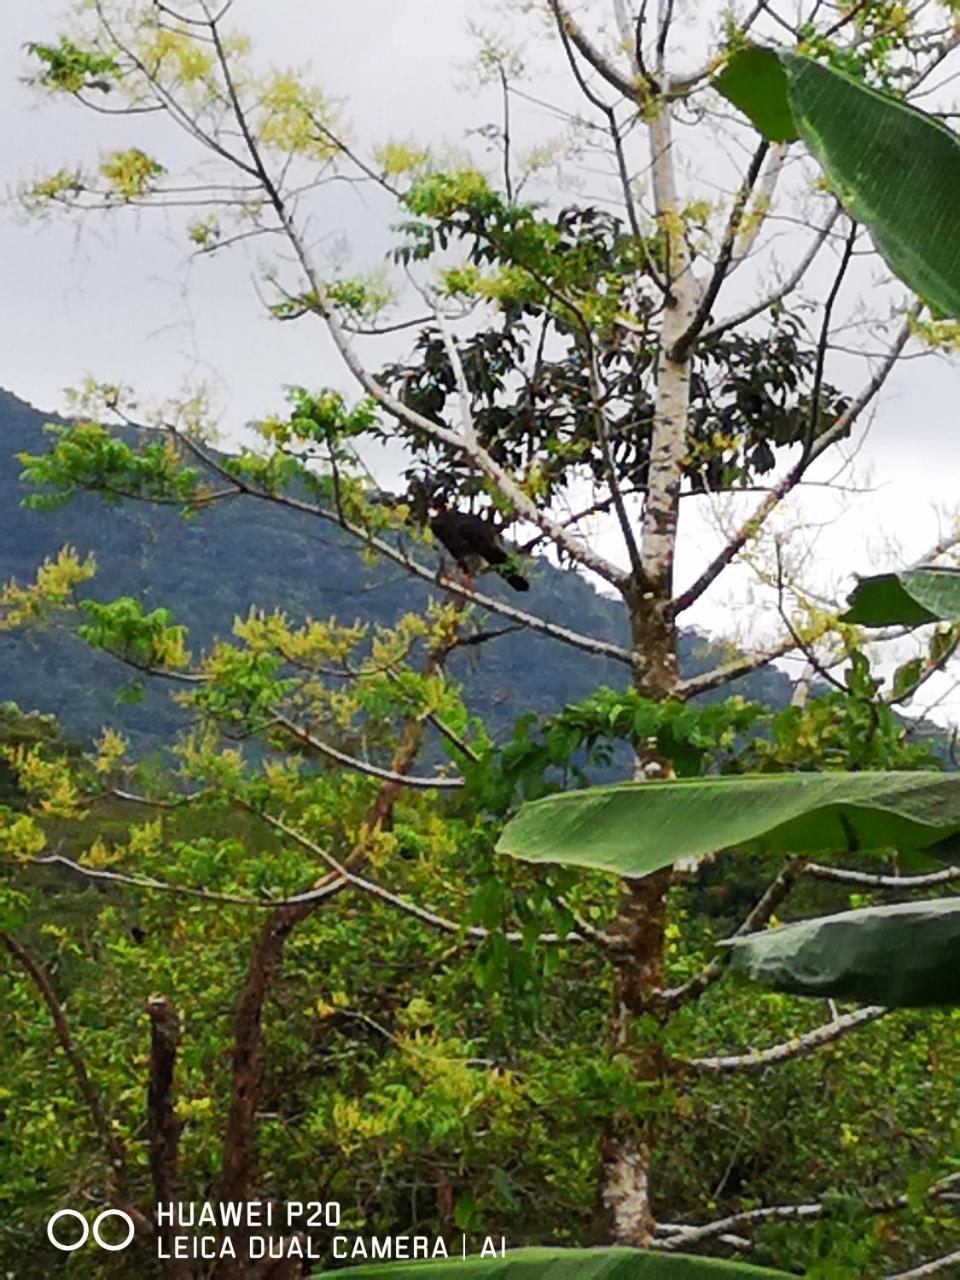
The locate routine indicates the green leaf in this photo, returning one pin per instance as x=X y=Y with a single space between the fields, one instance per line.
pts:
x=896 y=169
x=755 y=81
x=905 y=677
x=635 y=828
x=571 y=1264
x=14 y=908
x=907 y=599
x=899 y=955
x=465 y=1211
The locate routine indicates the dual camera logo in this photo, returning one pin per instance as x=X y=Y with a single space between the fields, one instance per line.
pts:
x=68 y=1246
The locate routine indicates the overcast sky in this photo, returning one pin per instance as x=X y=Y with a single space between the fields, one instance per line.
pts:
x=115 y=300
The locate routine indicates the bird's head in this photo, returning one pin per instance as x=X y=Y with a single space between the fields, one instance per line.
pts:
x=426 y=500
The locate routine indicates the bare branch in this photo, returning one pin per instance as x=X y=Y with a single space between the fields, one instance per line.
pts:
x=681 y=1236
x=663 y=33
x=775 y=894
x=799 y=1047
x=439 y=782
x=930 y=667
x=828 y=306
x=607 y=70
x=749 y=529
x=588 y=644
x=875 y=880
x=719 y=676
x=724 y=258
x=103 y=876
x=422 y=913
x=782 y=290
x=932 y=1268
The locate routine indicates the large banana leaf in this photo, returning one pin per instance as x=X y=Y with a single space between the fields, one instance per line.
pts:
x=755 y=81
x=635 y=828
x=906 y=599
x=896 y=169
x=570 y=1264
x=908 y=954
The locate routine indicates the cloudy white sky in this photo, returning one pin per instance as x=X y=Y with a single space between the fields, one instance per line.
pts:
x=116 y=300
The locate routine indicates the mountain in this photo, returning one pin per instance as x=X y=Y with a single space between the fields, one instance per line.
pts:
x=244 y=552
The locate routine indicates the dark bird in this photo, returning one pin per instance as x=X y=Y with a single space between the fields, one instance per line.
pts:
x=475 y=543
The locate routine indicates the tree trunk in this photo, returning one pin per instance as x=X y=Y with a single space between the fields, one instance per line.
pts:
x=266 y=958
x=163 y=1128
x=628 y=1145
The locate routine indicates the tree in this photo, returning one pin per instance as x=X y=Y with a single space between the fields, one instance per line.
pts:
x=572 y=363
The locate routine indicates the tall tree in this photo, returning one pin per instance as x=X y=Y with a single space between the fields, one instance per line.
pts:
x=570 y=362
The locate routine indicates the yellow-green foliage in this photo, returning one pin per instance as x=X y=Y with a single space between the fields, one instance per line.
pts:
x=130 y=174
x=397 y=159
x=56 y=582
x=293 y=117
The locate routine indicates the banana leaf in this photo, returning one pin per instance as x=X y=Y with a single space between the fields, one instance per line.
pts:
x=633 y=829
x=907 y=599
x=895 y=169
x=570 y=1264
x=902 y=955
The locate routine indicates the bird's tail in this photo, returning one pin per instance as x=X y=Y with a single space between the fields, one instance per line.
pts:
x=515 y=580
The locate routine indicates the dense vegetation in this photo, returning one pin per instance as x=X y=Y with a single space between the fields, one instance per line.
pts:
x=366 y=930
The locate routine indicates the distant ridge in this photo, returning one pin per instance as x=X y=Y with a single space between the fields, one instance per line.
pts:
x=244 y=553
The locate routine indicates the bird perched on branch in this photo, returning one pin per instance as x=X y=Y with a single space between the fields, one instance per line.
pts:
x=475 y=543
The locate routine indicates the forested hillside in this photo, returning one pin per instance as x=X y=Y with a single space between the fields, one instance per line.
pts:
x=209 y=569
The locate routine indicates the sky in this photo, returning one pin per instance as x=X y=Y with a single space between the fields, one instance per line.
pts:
x=116 y=299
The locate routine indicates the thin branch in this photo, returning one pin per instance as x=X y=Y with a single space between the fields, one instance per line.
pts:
x=505 y=133
x=782 y=290
x=709 y=296
x=814 y=420
x=619 y=506
x=588 y=50
x=681 y=1237
x=341 y=878
x=101 y=875
x=614 y=129
x=663 y=33
x=174 y=109
x=438 y=782
x=775 y=894
x=432 y=718
x=588 y=644
x=930 y=668
x=749 y=235
x=799 y=1047
x=932 y=1268
x=114 y=1148
x=805 y=648
x=177 y=803
x=414 y=909
x=875 y=880
x=749 y=529
x=722 y=675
